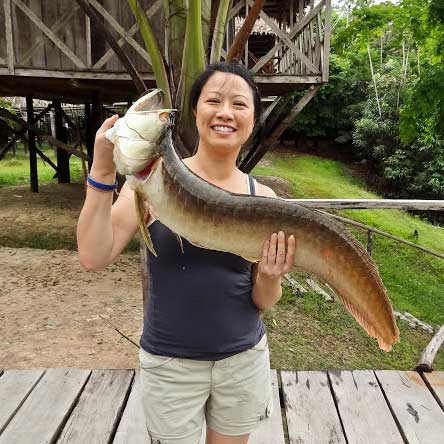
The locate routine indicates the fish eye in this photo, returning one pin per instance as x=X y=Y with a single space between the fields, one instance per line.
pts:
x=163 y=117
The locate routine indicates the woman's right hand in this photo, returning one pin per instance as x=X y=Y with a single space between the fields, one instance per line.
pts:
x=103 y=164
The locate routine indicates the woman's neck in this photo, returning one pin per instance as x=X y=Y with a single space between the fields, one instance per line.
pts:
x=212 y=166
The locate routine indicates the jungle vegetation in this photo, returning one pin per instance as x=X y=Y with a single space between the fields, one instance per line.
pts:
x=385 y=96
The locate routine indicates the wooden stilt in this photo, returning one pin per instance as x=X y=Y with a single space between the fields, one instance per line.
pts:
x=97 y=114
x=89 y=135
x=63 y=174
x=32 y=147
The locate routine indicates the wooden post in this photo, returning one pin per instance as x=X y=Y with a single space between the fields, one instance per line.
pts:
x=32 y=147
x=369 y=242
x=97 y=115
x=9 y=36
x=327 y=36
x=94 y=118
x=89 y=135
x=63 y=175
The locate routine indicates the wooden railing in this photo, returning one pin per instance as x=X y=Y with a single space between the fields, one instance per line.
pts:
x=38 y=38
x=381 y=204
x=301 y=39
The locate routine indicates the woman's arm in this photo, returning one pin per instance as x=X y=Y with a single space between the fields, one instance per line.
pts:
x=277 y=259
x=104 y=229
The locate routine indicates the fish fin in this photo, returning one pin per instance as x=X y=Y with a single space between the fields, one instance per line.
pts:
x=197 y=245
x=179 y=239
x=206 y=248
x=249 y=259
x=141 y=216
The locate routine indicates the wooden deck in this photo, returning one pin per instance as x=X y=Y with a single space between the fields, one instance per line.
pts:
x=100 y=406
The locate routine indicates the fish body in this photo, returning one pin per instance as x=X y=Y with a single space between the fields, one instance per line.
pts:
x=210 y=217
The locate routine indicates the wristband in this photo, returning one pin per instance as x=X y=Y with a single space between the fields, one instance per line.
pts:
x=101 y=186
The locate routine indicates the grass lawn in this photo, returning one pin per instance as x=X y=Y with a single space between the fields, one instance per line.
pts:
x=321 y=334
x=15 y=170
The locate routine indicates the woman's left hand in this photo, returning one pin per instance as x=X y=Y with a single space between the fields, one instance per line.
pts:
x=277 y=256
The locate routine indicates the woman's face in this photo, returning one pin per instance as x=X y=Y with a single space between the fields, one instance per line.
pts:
x=225 y=112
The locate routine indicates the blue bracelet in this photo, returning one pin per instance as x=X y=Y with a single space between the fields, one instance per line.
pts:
x=100 y=185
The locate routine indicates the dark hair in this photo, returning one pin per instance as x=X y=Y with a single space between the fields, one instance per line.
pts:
x=231 y=68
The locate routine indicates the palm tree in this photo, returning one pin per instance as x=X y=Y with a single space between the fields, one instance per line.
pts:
x=190 y=33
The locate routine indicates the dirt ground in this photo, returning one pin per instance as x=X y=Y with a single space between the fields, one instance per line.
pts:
x=54 y=313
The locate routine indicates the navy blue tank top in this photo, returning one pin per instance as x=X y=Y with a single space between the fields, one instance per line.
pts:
x=200 y=304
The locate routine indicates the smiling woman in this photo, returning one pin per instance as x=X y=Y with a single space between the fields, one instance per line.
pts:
x=204 y=352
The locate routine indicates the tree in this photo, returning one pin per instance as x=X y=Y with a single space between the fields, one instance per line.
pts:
x=189 y=33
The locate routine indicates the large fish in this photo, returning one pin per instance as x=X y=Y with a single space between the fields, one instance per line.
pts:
x=210 y=217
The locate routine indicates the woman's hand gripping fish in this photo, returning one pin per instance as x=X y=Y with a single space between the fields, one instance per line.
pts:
x=210 y=217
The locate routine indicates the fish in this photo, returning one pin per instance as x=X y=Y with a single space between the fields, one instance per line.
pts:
x=210 y=217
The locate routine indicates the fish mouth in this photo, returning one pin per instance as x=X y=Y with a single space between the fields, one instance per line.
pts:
x=151 y=100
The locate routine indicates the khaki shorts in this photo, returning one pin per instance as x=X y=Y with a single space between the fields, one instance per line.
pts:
x=233 y=395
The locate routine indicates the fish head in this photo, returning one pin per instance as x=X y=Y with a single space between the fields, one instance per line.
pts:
x=137 y=135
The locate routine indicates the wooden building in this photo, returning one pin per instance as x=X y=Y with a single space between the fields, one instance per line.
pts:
x=50 y=50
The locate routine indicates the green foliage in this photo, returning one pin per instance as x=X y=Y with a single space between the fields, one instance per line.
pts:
x=367 y=23
x=396 y=117
x=436 y=11
x=423 y=114
x=334 y=108
x=14 y=170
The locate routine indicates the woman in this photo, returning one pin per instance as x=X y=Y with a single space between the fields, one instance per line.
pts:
x=204 y=351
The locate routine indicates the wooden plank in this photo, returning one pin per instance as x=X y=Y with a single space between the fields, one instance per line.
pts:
x=416 y=411
x=235 y=10
x=119 y=30
x=299 y=26
x=96 y=415
x=400 y=204
x=88 y=42
x=294 y=112
x=15 y=387
x=425 y=362
x=47 y=407
x=9 y=36
x=298 y=289
x=49 y=73
x=363 y=410
x=132 y=428
x=327 y=36
x=436 y=382
x=271 y=431
x=310 y=408
x=38 y=57
x=38 y=42
x=51 y=36
x=130 y=33
x=288 y=79
x=75 y=37
x=51 y=16
x=286 y=38
x=32 y=144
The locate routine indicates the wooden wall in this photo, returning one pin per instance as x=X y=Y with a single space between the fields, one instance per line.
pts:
x=67 y=22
